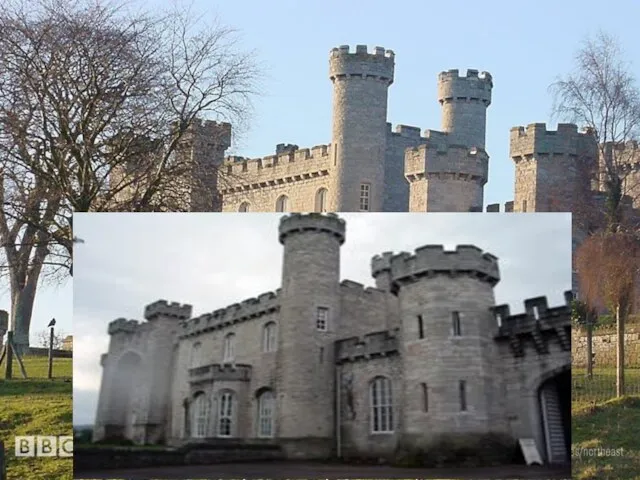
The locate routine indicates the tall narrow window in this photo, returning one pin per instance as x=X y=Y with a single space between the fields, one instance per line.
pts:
x=365 y=191
x=524 y=205
x=244 y=207
x=200 y=416
x=266 y=405
x=457 y=330
x=322 y=319
x=229 y=348
x=321 y=356
x=463 y=396
x=321 y=200
x=420 y=327
x=282 y=204
x=195 y=355
x=269 y=337
x=425 y=397
x=381 y=401
x=226 y=411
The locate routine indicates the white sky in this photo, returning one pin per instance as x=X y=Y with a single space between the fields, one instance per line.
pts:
x=213 y=260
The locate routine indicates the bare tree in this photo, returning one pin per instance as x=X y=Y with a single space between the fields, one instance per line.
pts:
x=58 y=339
x=98 y=112
x=608 y=265
x=602 y=96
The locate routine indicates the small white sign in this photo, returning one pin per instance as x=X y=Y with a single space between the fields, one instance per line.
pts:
x=530 y=451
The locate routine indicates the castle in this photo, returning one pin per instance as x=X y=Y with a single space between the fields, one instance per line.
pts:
x=322 y=367
x=368 y=166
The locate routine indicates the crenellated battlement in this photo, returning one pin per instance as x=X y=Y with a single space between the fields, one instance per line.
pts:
x=475 y=86
x=433 y=259
x=162 y=308
x=372 y=345
x=539 y=323
x=536 y=139
x=378 y=64
x=241 y=166
x=355 y=288
x=218 y=133
x=438 y=158
x=248 y=309
x=122 y=325
x=381 y=263
x=298 y=222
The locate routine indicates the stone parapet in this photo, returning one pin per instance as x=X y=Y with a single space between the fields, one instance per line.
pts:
x=369 y=346
x=298 y=222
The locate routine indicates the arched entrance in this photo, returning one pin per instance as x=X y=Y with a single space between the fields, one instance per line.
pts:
x=554 y=396
x=123 y=388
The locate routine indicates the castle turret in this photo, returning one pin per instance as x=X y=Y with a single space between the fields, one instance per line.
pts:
x=360 y=85
x=449 y=357
x=309 y=322
x=381 y=272
x=464 y=103
x=203 y=147
x=135 y=388
x=553 y=168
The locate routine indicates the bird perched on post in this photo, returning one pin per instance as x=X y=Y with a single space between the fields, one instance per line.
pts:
x=52 y=322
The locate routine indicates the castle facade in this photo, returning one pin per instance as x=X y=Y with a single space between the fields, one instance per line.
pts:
x=370 y=166
x=321 y=367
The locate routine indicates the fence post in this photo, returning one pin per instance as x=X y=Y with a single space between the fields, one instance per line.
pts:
x=9 y=369
x=3 y=462
x=50 y=353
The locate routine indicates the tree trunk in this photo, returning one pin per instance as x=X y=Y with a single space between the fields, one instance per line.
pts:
x=589 y=347
x=21 y=310
x=620 y=353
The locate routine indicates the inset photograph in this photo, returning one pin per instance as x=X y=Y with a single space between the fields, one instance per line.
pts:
x=365 y=345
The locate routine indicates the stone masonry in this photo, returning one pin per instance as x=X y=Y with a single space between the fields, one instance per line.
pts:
x=323 y=367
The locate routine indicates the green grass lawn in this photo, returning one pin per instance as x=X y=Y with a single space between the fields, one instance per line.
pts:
x=36 y=406
x=612 y=425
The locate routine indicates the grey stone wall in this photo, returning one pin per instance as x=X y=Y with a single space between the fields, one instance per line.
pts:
x=604 y=346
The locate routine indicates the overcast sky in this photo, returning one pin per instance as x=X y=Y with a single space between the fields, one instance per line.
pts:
x=213 y=260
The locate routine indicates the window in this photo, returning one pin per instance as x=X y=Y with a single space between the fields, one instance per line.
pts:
x=463 y=396
x=425 y=397
x=269 y=337
x=365 y=190
x=455 y=316
x=524 y=205
x=536 y=312
x=282 y=204
x=225 y=414
x=244 y=207
x=200 y=416
x=195 y=355
x=381 y=405
x=229 y=348
x=321 y=358
x=266 y=405
x=321 y=200
x=420 y=327
x=322 y=319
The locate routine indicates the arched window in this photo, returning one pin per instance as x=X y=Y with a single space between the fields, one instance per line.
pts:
x=269 y=337
x=229 y=348
x=244 y=207
x=381 y=400
x=226 y=413
x=195 y=355
x=200 y=416
x=321 y=200
x=266 y=407
x=282 y=204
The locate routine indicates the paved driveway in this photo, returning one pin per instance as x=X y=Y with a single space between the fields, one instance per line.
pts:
x=282 y=470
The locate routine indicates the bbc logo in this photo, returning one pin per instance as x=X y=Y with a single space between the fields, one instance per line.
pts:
x=44 y=446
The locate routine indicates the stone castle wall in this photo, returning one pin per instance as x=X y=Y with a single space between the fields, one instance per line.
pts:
x=604 y=346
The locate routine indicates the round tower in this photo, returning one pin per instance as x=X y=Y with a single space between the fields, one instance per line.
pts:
x=309 y=316
x=451 y=363
x=360 y=86
x=464 y=103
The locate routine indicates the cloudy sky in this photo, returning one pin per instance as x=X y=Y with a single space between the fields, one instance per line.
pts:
x=213 y=260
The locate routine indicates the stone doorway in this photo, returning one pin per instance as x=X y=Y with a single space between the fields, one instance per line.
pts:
x=555 y=411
